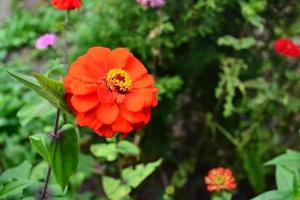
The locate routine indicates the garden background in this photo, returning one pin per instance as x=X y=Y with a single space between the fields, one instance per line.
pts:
x=226 y=98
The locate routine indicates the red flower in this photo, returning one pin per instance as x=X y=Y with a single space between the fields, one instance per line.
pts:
x=110 y=91
x=220 y=178
x=66 y=4
x=286 y=47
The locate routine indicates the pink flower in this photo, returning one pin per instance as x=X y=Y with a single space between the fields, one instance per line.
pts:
x=46 y=40
x=152 y=3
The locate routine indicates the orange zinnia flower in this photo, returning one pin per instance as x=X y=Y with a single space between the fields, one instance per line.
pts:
x=66 y=4
x=220 y=178
x=110 y=91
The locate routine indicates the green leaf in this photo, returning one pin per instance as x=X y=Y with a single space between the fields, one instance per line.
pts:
x=114 y=189
x=236 y=43
x=41 y=143
x=223 y=195
x=134 y=176
x=13 y=187
x=21 y=171
x=55 y=88
x=45 y=87
x=38 y=172
x=126 y=147
x=64 y=151
x=274 y=195
x=290 y=158
x=254 y=168
x=31 y=83
x=284 y=178
x=106 y=151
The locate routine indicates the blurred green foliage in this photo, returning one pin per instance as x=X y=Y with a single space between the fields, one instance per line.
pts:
x=225 y=98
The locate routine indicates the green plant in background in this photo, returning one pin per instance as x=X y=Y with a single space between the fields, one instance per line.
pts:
x=287 y=177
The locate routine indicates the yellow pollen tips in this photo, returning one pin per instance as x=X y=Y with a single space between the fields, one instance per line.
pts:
x=118 y=79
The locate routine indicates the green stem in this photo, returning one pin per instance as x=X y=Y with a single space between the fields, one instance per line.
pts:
x=55 y=134
x=227 y=135
x=66 y=61
x=44 y=193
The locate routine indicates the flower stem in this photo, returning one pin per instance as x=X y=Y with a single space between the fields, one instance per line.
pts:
x=55 y=134
x=66 y=60
x=55 y=131
x=44 y=193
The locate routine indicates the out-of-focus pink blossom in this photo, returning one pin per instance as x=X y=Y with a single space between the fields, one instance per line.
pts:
x=46 y=40
x=152 y=3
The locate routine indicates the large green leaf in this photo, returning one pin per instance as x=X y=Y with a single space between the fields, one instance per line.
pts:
x=13 y=187
x=21 y=171
x=284 y=178
x=106 y=151
x=134 y=176
x=53 y=87
x=275 y=195
x=290 y=158
x=114 y=188
x=64 y=151
x=41 y=143
x=126 y=147
x=49 y=89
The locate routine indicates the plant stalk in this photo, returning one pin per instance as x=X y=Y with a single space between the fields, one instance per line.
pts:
x=55 y=134
x=44 y=193
x=56 y=125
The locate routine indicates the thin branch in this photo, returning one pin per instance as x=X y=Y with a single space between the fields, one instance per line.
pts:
x=56 y=125
x=44 y=193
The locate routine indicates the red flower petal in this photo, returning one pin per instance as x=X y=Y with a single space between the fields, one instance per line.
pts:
x=89 y=118
x=81 y=104
x=66 y=4
x=107 y=100
x=135 y=68
x=105 y=131
x=134 y=102
x=122 y=125
x=118 y=58
x=107 y=113
x=144 y=82
x=132 y=117
x=78 y=88
x=286 y=47
x=105 y=95
x=97 y=56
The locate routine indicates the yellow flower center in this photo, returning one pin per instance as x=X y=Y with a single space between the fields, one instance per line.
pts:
x=118 y=79
x=219 y=180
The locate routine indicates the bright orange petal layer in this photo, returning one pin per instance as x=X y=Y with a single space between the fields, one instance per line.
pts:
x=135 y=68
x=220 y=178
x=107 y=113
x=118 y=58
x=84 y=103
x=95 y=96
